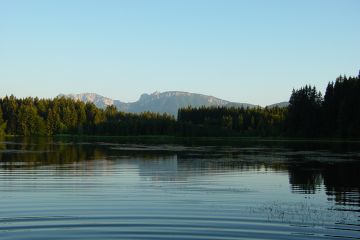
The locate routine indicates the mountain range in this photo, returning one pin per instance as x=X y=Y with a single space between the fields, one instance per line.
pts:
x=161 y=102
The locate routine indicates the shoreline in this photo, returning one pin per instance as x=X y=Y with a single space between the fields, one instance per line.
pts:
x=158 y=139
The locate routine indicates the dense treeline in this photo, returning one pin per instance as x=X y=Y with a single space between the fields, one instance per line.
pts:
x=309 y=114
x=238 y=121
x=304 y=112
x=335 y=115
x=341 y=108
x=33 y=116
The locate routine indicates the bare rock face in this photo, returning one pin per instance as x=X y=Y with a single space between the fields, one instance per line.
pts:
x=97 y=99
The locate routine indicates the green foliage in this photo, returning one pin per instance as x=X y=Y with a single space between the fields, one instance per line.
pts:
x=9 y=108
x=308 y=115
x=234 y=121
x=33 y=116
x=2 y=124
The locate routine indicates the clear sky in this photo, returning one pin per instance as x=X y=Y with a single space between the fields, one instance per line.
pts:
x=246 y=51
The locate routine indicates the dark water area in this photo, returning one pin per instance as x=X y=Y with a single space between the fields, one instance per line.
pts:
x=57 y=189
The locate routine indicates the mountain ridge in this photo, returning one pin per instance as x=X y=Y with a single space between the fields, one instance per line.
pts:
x=161 y=102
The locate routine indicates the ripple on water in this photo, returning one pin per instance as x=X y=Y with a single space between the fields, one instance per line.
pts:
x=163 y=227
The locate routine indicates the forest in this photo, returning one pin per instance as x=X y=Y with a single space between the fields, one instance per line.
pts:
x=309 y=114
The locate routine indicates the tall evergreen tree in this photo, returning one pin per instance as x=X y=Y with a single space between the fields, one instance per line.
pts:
x=304 y=112
x=10 y=114
x=341 y=108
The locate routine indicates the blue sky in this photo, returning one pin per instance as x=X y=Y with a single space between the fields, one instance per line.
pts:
x=246 y=51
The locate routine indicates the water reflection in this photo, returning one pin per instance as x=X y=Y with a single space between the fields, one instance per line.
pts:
x=308 y=170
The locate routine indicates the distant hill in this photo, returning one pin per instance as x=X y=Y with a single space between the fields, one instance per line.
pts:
x=280 y=104
x=165 y=102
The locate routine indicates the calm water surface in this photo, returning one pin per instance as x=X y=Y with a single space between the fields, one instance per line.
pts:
x=95 y=190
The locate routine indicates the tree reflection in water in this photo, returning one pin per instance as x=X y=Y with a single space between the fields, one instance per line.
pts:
x=337 y=170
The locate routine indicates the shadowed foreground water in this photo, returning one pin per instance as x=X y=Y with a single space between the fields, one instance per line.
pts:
x=76 y=190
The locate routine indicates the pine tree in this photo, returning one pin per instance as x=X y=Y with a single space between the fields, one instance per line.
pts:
x=10 y=114
x=304 y=112
x=2 y=124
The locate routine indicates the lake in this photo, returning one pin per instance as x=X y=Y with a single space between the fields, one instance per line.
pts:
x=57 y=189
